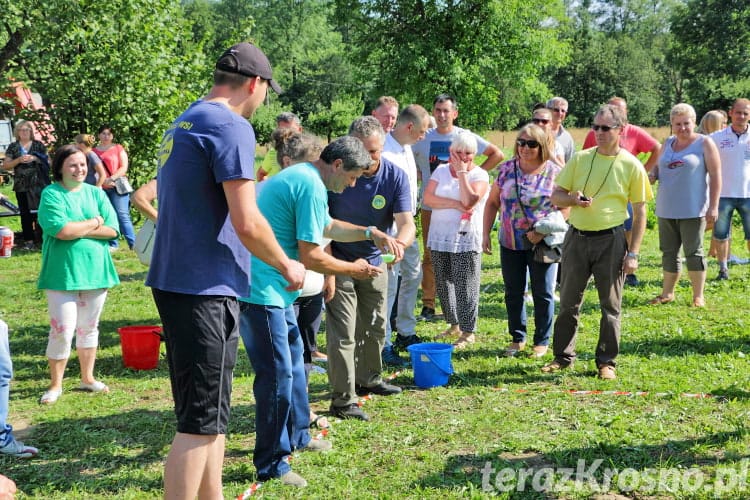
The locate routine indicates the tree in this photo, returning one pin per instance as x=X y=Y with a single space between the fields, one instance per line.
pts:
x=618 y=49
x=489 y=54
x=308 y=56
x=129 y=63
x=712 y=51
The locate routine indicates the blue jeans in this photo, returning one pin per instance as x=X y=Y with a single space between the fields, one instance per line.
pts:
x=121 y=204
x=6 y=373
x=543 y=277
x=727 y=206
x=282 y=412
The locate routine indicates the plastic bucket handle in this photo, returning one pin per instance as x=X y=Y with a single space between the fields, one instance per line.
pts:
x=425 y=353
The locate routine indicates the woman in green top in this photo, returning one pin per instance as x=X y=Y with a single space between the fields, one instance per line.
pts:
x=78 y=221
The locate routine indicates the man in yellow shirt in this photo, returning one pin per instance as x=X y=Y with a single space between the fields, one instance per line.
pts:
x=598 y=183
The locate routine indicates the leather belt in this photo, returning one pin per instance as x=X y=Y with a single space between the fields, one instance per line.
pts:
x=611 y=230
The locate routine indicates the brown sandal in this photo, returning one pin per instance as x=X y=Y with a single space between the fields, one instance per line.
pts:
x=660 y=299
x=449 y=332
x=464 y=340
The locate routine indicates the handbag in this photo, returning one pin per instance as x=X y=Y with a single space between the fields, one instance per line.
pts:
x=546 y=254
x=144 y=242
x=543 y=253
x=122 y=186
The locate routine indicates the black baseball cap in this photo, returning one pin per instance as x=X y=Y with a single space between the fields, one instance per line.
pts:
x=247 y=59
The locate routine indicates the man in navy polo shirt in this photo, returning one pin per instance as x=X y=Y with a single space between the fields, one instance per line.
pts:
x=356 y=316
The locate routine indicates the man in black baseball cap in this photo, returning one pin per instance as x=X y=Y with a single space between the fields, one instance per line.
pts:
x=208 y=154
x=247 y=59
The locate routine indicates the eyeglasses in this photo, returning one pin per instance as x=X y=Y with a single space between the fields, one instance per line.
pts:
x=603 y=128
x=543 y=121
x=530 y=143
x=559 y=110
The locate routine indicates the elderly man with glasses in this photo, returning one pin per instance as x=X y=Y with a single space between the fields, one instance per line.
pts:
x=597 y=184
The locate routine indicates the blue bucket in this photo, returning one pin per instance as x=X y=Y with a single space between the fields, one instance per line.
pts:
x=432 y=364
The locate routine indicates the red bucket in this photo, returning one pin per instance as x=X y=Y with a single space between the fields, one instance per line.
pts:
x=140 y=346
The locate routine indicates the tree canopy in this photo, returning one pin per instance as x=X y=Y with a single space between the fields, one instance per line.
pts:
x=136 y=64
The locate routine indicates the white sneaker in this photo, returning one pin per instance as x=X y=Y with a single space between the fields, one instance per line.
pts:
x=18 y=449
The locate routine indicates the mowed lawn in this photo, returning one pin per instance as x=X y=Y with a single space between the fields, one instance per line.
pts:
x=673 y=425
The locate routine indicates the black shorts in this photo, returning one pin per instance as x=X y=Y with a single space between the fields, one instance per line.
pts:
x=201 y=334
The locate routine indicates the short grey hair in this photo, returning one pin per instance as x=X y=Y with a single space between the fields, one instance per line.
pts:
x=557 y=99
x=366 y=126
x=465 y=141
x=615 y=112
x=350 y=150
x=287 y=116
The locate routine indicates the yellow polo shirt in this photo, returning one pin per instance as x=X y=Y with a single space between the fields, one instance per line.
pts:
x=611 y=181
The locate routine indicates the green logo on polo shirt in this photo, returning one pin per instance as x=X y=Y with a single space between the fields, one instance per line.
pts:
x=378 y=202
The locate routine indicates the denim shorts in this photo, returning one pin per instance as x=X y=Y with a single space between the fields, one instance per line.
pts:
x=202 y=334
x=723 y=224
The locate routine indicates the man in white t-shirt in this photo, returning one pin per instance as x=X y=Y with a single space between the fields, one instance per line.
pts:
x=428 y=154
x=411 y=126
x=734 y=149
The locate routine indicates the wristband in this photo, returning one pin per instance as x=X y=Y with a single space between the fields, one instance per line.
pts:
x=368 y=232
x=633 y=255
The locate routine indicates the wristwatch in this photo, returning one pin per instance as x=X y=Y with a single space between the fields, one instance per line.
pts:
x=368 y=232
x=633 y=255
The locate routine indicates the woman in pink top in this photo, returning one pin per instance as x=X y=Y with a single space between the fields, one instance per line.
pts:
x=115 y=160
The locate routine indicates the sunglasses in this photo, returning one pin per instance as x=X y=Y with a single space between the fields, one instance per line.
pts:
x=603 y=128
x=543 y=121
x=559 y=110
x=530 y=143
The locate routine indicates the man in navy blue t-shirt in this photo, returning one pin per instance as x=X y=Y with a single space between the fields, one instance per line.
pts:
x=356 y=316
x=208 y=220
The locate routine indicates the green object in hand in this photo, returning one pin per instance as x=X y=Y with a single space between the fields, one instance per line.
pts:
x=388 y=258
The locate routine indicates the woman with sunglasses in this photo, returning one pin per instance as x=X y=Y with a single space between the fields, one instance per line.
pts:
x=543 y=118
x=521 y=194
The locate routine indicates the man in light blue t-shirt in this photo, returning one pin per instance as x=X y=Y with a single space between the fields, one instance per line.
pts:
x=295 y=203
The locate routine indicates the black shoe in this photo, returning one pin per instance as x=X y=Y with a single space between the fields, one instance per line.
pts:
x=723 y=274
x=428 y=314
x=631 y=280
x=403 y=341
x=381 y=389
x=391 y=358
x=351 y=411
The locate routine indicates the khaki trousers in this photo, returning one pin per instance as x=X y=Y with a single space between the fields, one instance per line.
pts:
x=355 y=335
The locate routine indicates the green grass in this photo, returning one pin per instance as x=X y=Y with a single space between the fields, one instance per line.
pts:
x=422 y=443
